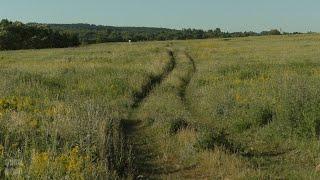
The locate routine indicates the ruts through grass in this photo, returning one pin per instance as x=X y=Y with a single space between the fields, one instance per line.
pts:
x=246 y=108
x=137 y=139
x=159 y=119
x=61 y=110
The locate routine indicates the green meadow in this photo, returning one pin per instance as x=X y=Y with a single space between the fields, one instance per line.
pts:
x=240 y=108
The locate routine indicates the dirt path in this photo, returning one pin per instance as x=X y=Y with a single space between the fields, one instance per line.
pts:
x=142 y=145
x=187 y=79
x=153 y=82
x=139 y=142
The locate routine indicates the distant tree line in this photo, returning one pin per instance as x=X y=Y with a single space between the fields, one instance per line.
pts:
x=99 y=34
x=16 y=35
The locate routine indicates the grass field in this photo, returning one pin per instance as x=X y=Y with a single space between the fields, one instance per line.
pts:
x=218 y=109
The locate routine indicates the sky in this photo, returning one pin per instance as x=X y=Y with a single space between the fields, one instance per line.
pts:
x=229 y=15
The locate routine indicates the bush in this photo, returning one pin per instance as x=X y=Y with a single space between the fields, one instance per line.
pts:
x=266 y=116
x=177 y=125
x=16 y=35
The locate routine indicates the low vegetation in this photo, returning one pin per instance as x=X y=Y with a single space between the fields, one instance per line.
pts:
x=199 y=109
x=61 y=110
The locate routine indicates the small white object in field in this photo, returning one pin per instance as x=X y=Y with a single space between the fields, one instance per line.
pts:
x=129 y=41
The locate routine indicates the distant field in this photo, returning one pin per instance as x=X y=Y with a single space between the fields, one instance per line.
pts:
x=224 y=108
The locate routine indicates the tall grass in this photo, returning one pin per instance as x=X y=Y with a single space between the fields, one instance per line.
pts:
x=261 y=95
x=237 y=109
x=61 y=109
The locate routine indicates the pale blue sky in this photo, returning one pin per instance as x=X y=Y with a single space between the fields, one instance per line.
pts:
x=230 y=15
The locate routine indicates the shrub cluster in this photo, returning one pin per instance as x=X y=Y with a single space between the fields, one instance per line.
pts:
x=16 y=35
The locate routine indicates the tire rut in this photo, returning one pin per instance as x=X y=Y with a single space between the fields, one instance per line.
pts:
x=220 y=139
x=186 y=80
x=153 y=81
x=138 y=148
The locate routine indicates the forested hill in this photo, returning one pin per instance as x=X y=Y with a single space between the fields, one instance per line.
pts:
x=16 y=35
x=89 y=33
x=82 y=26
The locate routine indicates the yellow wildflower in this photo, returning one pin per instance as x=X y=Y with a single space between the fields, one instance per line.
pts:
x=238 y=98
x=264 y=78
x=237 y=81
x=39 y=163
x=1 y=150
x=33 y=123
x=74 y=163
x=2 y=102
